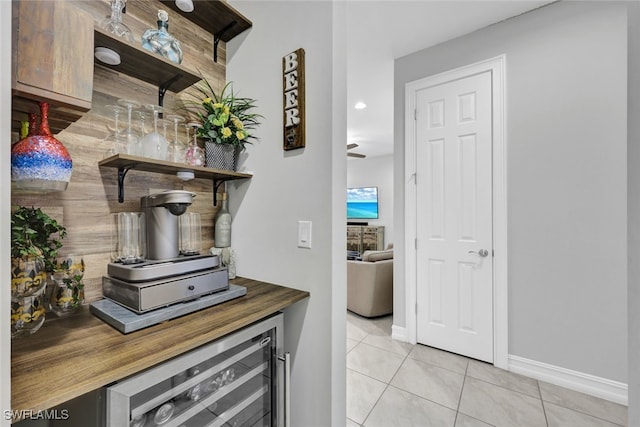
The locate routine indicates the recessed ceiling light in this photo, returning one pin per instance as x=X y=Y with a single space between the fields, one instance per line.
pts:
x=360 y=105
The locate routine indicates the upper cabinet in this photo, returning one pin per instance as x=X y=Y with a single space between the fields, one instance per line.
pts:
x=51 y=61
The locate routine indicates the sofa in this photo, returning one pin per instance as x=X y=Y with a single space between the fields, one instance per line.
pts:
x=370 y=284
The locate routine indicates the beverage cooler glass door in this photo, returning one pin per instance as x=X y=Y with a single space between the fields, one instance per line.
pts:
x=230 y=382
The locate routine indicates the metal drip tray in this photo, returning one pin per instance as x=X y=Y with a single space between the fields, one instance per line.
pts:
x=152 y=270
x=144 y=296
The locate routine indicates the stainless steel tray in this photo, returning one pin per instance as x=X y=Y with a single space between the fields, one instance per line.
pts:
x=152 y=270
x=144 y=296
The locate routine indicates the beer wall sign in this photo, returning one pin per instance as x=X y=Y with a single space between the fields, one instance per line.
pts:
x=293 y=99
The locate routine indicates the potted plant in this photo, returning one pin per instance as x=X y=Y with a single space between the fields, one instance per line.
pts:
x=227 y=123
x=35 y=241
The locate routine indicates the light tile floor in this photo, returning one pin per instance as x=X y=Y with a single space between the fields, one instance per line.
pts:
x=390 y=383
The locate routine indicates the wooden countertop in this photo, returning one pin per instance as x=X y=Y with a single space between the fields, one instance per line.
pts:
x=69 y=357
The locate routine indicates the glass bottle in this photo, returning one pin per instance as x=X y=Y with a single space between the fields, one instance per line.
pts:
x=161 y=42
x=114 y=24
x=222 y=228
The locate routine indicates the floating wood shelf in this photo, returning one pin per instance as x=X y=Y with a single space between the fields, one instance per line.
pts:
x=216 y=17
x=144 y=65
x=124 y=163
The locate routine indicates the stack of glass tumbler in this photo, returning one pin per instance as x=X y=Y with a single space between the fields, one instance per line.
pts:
x=34 y=290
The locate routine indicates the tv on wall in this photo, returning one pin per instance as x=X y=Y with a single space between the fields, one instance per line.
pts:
x=362 y=203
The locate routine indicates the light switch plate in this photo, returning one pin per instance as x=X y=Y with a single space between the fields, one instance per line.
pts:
x=304 y=234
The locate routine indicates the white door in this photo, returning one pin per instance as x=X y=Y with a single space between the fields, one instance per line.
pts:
x=454 y=219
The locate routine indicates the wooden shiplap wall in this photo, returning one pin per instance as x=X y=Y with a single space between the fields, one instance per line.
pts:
x=85 y=207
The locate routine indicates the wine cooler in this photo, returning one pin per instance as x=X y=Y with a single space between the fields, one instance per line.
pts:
x=231 y=382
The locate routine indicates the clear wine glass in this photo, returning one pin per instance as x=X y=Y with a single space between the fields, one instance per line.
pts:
x=114 y=25
x=175 y=152
x=154 y=145
x=115 y=139
x=133 y=141
x=194 y=155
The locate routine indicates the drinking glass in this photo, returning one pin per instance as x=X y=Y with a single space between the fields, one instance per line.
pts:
x=190 y=235
x=115 y=139
x=128 y=237
x=27 y=314
x=194 y=155
x=67 y=289
x=175 y=151
x=114 y=24
x=154 y=145
x=133 y=141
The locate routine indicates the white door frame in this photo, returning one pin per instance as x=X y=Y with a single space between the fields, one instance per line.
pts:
x=499 y=190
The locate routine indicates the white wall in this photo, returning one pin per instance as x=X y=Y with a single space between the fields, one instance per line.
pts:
x=633 y=212
x=304 y=184
x=375 y=172
x=566 y=139
x=5 y=204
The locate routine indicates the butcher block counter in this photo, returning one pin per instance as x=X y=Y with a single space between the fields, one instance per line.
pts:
x=71 y=356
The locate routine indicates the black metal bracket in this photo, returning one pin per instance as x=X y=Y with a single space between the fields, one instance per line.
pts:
x=122 y=172
x=162 y=89
x=217 y=37
x=216 y=185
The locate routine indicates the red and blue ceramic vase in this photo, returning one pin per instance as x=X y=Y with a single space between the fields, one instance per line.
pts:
x=40 y=162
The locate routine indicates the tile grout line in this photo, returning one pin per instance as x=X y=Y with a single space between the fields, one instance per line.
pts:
x=544 y=409
x=387 y=385
x=464 y=380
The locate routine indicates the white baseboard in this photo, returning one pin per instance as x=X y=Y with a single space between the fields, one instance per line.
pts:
x=584 y=383
x=399 y=333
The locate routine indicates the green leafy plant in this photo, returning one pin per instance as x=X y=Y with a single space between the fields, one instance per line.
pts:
x=225 y=117
x=34 y=233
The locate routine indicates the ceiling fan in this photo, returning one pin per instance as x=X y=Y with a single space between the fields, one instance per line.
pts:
x=358 y=155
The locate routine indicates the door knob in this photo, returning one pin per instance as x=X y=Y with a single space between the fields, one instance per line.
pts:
x=482 y=252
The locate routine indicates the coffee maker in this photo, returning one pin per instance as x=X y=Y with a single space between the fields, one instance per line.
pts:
x=165 y=277
x=161 y=211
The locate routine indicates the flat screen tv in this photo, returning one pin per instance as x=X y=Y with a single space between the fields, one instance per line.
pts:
x=362 y=203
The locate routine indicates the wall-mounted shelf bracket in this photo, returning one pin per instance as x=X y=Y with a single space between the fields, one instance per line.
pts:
x=216 y=184
x=218 y=36
x=125 y=162
x=122 y=172
x=162 y=89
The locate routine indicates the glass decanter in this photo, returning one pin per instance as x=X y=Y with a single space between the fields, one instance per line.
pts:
x=161 y=42
x=175 y=152
x=194 y=155
x=114 y=24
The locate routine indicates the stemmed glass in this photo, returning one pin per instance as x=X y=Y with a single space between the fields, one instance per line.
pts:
x=115 y=139
x=154 y=145
x=175 y=152
x=194 y=155
x=114 y=24
x=67 y=293
x=133 y=143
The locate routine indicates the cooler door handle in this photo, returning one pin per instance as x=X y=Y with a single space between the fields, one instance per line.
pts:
x=287 y=388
